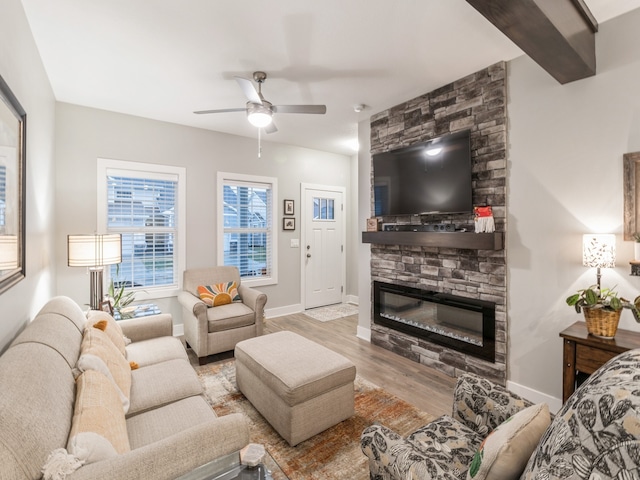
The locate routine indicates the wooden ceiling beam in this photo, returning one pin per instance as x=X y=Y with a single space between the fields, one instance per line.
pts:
x=559 y=35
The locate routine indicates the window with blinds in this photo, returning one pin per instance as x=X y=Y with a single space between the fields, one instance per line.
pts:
x=142 y=210
x=145 y=204
x=248 y=227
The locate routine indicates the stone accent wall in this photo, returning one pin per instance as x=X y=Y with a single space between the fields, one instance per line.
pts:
x=478 y=103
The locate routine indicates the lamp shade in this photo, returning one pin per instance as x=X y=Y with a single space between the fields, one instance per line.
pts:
x=94 y=250
x=8 y=252
x=259 y=115
x=599 y=250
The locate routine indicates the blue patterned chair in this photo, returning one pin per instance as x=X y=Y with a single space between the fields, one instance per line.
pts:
x=595 y=435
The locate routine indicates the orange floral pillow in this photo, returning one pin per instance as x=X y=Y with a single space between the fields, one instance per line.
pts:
x=219 y=294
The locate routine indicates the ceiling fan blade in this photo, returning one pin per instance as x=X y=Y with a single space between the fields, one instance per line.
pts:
x=319 y=109
x=223 y=110
x=271 y=128
x=249 y=90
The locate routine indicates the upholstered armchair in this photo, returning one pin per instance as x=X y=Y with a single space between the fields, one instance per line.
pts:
x=210 y=330
x=495 y=434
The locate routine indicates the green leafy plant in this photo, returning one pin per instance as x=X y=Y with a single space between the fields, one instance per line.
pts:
x=636 y=237
x=604 y=298
x=118 y=296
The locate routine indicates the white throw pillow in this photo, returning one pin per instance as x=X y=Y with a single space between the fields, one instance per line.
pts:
x=506 y=450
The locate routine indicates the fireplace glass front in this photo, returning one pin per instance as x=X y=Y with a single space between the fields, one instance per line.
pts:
x=461 y=323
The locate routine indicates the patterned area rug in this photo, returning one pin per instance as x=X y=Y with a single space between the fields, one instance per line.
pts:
x=332 y=454
x=332 y=312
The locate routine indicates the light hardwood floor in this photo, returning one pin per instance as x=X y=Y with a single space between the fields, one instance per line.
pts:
x=423 y=387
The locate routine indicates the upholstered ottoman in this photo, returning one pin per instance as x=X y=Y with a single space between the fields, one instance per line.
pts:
x=301 y=388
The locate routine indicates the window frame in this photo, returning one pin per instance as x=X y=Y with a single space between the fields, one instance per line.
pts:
x=107 y=167
x=224 y=177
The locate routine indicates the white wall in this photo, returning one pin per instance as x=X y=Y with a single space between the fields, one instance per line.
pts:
x=21 y=68
x=84 y=134
x=353 y=233
x=364 y=212
x=565 y=179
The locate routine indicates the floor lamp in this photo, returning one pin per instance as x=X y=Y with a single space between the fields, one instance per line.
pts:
x=599 y=251
x=94 y=251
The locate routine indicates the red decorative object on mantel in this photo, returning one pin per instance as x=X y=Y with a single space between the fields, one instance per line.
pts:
x=483 y=220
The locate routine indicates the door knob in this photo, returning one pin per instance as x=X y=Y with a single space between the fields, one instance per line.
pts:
x=308 y=255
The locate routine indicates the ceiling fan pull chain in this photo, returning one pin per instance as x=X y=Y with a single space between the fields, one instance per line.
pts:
x=259 y=145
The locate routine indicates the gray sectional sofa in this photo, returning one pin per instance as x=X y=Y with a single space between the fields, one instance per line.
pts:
x=171 y=428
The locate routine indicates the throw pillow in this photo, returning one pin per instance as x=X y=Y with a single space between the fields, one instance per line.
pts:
x=505 y=451
x=98 y=427
x=219 y=294
x=109 y=325
x=98 y=353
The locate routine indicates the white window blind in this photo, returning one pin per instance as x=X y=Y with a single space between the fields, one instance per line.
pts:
x=248 y=228
x=144 y=203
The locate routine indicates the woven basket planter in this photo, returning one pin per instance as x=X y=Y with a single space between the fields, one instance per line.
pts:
x=601 y=323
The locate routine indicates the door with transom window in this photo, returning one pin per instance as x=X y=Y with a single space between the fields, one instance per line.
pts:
x=323 y=245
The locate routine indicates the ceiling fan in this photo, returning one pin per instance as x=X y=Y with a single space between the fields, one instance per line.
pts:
x=260 y=111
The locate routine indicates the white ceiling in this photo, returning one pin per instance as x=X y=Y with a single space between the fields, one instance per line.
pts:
x=163 y=59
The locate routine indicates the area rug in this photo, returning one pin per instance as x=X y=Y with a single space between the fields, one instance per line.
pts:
x=332 y=454
x=332 y=312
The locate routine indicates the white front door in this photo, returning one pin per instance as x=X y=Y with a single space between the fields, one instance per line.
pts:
x=323 y=246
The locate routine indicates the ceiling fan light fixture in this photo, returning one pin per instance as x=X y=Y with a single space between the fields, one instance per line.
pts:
x=259 y=115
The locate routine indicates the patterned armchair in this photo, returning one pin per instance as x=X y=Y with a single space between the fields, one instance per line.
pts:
x=595 y=435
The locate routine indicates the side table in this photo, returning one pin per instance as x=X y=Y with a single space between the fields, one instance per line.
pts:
x=584 y=354
x=135 y=311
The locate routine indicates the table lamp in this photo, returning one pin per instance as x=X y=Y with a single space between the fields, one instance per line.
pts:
x=599 y=251
x=94 y=251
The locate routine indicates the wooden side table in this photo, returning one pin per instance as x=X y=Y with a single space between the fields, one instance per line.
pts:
x=584 y=353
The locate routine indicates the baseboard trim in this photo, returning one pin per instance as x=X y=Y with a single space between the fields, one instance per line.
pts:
x=364 y=333
x=178 y=330
x=353 y=299
x=535 y=396
x=281 y=311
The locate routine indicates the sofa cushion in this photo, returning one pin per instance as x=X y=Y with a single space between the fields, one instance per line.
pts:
x=97 y=352
x=98 y=428
x=595 y=434
x=159 y=423
x=505 y=451
x=442 y=449
x=37 y=392
x=219 y=294
x=162 y=383
x=195 y=277
x=112 y=329
x=483 y=405
x=57 y=332
x=156 y=350
x=230 y=316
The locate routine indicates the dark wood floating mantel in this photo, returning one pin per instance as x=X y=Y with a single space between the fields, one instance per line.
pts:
x=469 y=240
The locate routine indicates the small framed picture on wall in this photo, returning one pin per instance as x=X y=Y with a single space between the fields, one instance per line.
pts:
x=288 y=223
x=288 y=207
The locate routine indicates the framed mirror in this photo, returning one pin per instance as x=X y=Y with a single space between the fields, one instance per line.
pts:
x=13 y=129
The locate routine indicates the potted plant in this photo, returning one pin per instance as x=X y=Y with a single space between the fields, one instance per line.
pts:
x=118 y=297
x=602 y=308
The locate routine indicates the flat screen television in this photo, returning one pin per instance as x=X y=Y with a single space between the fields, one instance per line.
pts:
x=428 y=177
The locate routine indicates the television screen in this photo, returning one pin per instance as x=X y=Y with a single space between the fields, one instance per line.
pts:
x=429 y=177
